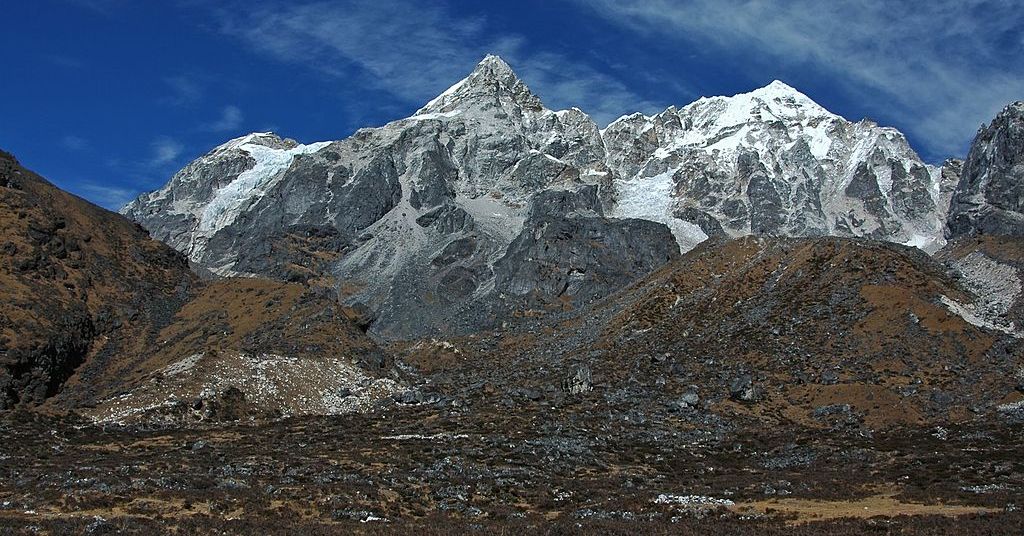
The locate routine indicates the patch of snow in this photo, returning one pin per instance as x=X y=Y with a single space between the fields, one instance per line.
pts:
x=229 y=201
x=434 y=115
x=553 y=159
x=923 y=242
x=651 y=199
x=438 y=100
x=818 y=140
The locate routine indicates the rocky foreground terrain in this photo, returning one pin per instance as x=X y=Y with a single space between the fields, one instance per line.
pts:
x=742 y=316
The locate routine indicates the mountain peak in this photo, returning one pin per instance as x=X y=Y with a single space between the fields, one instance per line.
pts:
x=491 y=80
x=265 y=139
x=780 y=87
x=988 y=199
x=785 y=100
x=495 y=64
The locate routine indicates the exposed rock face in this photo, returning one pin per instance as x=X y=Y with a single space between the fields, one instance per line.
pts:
x=567 y=255
x=578 y=382
x=415 y=216
x=412 y=216
x=483 y=147
x=570 y=252
x=773 y=162
x=990 y=197
x=78 y=282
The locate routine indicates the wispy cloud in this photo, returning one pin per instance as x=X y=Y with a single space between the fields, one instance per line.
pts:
x=415 y=50
x=184 y=90
x=942 y=67
x=106 y=196
x=231 y=118
x=163 y=156
x=563 y=83
x=165 y=151
x=404 y=46
x=74 y=143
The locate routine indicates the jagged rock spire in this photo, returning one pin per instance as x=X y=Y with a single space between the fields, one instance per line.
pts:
x=492 y=82
x=990 y=196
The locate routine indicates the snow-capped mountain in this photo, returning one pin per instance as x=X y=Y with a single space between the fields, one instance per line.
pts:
x=774 y=162
x=413 y=216
x=438 y=216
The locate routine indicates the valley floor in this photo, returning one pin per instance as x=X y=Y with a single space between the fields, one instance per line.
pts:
x=536 y=469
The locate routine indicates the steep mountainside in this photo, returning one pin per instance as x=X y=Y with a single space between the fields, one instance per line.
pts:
x=98 y=317
x=471 y=158
x=990 y=198
x=413 y=217
x=76 y=281
x=986 y=223
x=416 y=219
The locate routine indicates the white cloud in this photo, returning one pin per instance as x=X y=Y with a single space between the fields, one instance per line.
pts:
x=404 y=46
x=231 y=118
x=165 y=151
x=563 y=83
x=184 y=90
x=941 y=67
x=416 y=50
x=164 y=156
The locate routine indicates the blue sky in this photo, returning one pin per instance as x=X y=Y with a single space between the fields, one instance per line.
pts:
x=108 y=98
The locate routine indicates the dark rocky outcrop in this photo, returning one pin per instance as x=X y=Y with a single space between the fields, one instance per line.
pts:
x=990 y=196
x=568 y=251
x=78 y=283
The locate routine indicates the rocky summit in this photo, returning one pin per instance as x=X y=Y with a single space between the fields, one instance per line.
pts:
x=990 y=198
x=745 y=315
